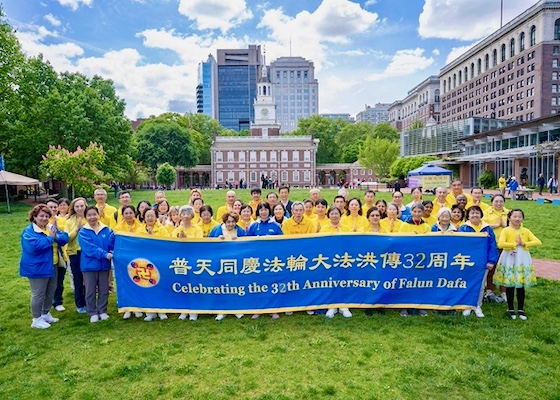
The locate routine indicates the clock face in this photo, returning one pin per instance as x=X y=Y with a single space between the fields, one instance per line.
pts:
x=264 y=112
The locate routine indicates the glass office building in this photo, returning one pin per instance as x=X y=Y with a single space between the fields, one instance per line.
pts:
x=207 y=90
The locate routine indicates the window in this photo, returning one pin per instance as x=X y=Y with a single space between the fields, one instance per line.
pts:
x=253 y=156
x=219 y=176
x=494 y=58
x=295 y=155
x=454 y=81
x=472 y=70
x=253 y=176
x=307 y=176
x=284 y=176
x=512 y=47
x=284 y=155
x=486 y=62
x=479 y=67
x=230 y=157
x=503 y=53
x=219 y=156
x=533 y=35
x=555 y=63
x=307 y=155
x=263 y=156
x=230 y=176
x=273 y=156
x=295 y=176
x=557 y=29
x=522 y=42
x=241 y=156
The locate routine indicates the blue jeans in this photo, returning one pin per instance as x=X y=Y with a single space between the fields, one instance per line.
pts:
x=79 y=291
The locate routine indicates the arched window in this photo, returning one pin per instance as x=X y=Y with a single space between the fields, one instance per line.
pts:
x=449 y=83
x=479 y=67
x=460 y=77
x=472 y=70
x=494 y=58
x=436 y=93
x=533 y=36
x=454 y=81
x=503 y=53
x=522 y=42
x=512 y=47
x=557 y=29
x=466 y=74
x=444 y=86
x=486 y=62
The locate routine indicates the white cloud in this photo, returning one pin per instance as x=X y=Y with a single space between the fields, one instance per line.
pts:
x=404 y=62
x=457 y=51
x=370 y=2
x=53 y=20
x=215 y=14
x=466 y=19
x=74 y=4
x=435 y=52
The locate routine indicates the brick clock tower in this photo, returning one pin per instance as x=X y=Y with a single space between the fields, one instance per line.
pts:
x=265 y=108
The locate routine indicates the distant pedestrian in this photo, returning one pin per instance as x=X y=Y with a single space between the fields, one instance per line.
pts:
x=540 y=183
x=512 y=187
x=553 y=185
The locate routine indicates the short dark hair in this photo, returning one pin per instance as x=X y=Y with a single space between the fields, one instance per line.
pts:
x=206 y=208
x=256 y=190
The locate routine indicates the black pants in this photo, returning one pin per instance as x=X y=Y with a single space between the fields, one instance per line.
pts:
x=61 y=273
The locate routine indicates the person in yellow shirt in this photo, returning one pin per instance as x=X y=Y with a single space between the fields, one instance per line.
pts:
x=207 y=223
x=415 y=224
x=369 y=201
x=245 y=217
x=309 y=209
x=173 y=219
x=298 y=224
x=457 y=216
x=187 y=230
x=106 y=211
x=477 y=193
x=354 y=218
x=321 y=212
x=391 y=223
x=441 y=200
x=428 y=216
x=195 y=194
x=124 y=200
x=502 y=183
x=151 y=225
x=314 y=195
x=256 y=194
x=129 y=221
x=230 y=198
x=514 y=269
x=197 y=204
x=60 y=256
x=75 y=221
x=456 y=190
x=374 y=218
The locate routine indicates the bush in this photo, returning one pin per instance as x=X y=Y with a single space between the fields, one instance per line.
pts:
x=487 y=179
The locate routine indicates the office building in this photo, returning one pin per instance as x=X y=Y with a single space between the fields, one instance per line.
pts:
x=238 y=71
x=295 y=90
x=374 y=115
x=207 y=88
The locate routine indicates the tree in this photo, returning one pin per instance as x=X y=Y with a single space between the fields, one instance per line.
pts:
x=325 y=130
x=378 y=154
x=80 y=169
x=400 y=168
x=416 y=125
x=384 y=130
x=350 y=138
x=135 y=173
x=166 y=174
x=164 y=139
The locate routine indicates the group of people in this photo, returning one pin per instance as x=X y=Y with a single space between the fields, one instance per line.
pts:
x=78 y=237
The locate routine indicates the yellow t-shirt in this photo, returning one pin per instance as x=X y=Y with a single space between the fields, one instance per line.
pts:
x=332 y=229
x=390 y=226
x=306 y=226
x=123 y=226
x=192 y=232
x=107 y=217
x=207 y=228
x=508 y=238
x=492 y=217
x=356 y=224
x=158 y=230
x=413 y=228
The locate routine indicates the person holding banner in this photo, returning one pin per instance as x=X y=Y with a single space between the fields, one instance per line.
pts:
x=415 y=224
x=354 y=218
x=37 y=263
x=264 y=226
x=335 y=226
x=207 y=223
x=391 y=223
x=515 y=270
x=374 y=218
x=97 y=243
x=229 y=228
x=475 y=224
x=443 y=223
x=298 y=224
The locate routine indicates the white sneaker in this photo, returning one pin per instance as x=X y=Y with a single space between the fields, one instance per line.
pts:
x=182 y=317
x=138 y=314
x=60 y=308
x=162 y=316
x=94 y=318
x=127 y=315
x=289 y=313
x=311 y=312
x=330 y=313
x=467 y=312
x=504 y=296
x=219 y=317
x=239 y=316
x=40 y=323
x=104 y=317
x=478 y=312
x=193 y=317
x=149 y=317
x=49 y=318
x=345 y=313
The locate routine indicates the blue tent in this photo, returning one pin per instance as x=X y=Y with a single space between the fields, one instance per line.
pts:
x=429 y=177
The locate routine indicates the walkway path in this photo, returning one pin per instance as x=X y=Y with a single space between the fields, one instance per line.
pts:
x=547 y=269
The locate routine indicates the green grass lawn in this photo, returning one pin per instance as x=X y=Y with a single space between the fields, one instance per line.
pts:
x=295 y=357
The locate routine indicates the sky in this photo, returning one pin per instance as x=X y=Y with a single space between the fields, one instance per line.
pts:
x=364 y=52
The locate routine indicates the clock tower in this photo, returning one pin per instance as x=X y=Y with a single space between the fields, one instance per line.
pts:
x=265 y=108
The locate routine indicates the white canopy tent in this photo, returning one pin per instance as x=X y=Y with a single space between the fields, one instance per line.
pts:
x=9 y=178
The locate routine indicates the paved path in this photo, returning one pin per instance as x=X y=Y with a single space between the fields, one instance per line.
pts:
x=547 y=269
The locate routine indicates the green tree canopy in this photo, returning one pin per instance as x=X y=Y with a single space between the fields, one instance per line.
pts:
x=165 y=139
x=401 y=166
x=378 y=154
x=326 y=130
x=166 y=174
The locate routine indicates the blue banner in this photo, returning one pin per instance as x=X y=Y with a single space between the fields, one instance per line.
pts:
x=277 y=274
